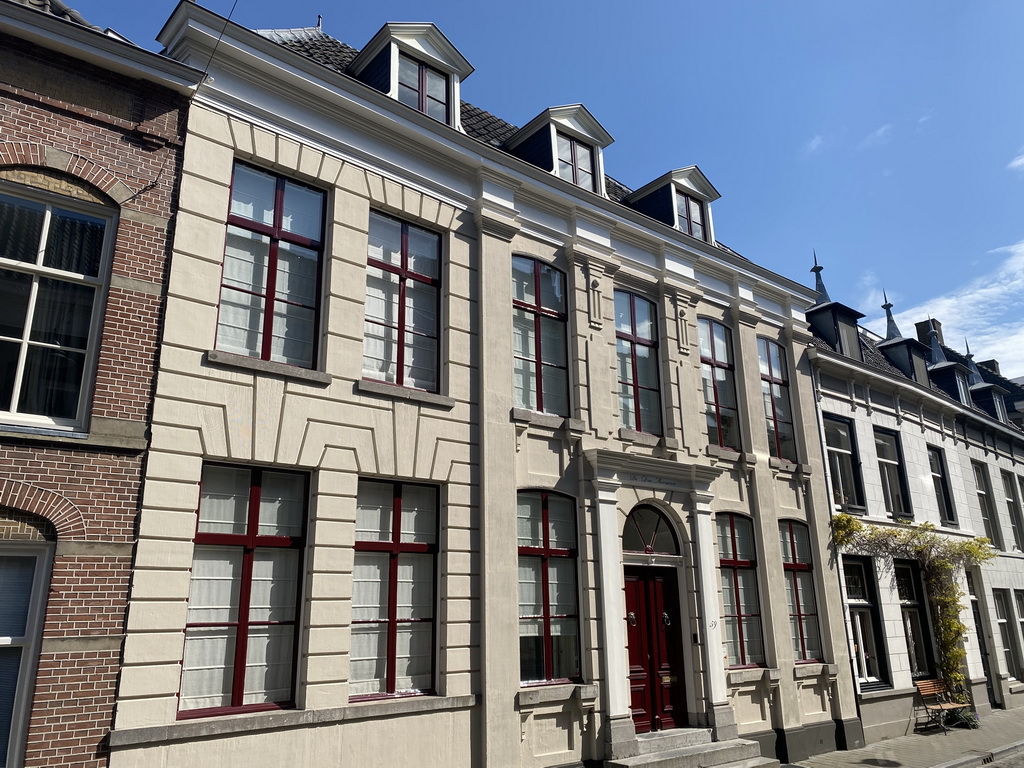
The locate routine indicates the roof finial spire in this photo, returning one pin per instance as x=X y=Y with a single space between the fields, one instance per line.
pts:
x=975 y=375
x=936 y=355
x=819 y=284
x=892 y=331
x=319 y=21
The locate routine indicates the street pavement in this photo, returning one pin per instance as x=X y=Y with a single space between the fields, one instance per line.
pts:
x=999 y=738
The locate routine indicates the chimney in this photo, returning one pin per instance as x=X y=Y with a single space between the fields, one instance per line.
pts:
x=992 y=365
x=924 y=327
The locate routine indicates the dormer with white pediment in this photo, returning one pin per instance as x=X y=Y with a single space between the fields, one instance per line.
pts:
x=416 y=64
x=681 y=199
x=567 y=141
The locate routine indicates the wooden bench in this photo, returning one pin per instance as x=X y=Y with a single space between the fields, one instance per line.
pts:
x=936 y=701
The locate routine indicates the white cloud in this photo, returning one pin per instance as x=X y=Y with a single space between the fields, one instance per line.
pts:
x=813 y=145
x=877 y=138
x=988 y=311
x=870 y=291
x=1017 y=164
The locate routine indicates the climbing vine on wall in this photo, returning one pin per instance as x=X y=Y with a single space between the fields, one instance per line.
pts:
x=942 y=559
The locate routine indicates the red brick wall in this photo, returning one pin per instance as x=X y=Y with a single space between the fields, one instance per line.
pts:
x=124 y=137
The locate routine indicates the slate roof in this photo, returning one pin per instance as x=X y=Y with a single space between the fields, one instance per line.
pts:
x=874 y=358
x=58 y=9
x=317 y=45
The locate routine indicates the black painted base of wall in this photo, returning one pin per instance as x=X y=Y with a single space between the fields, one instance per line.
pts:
x=795 y=744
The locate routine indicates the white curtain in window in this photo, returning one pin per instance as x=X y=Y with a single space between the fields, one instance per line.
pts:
x=282 y=504
x=373 y=511
x=206 y=674
x=224 y=500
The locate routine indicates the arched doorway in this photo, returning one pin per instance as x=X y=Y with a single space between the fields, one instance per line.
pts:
x=653 y=624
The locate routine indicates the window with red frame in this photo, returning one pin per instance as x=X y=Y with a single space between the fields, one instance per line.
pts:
x=741 y=609
x=775 y=393
x=539 y=337
x=636 y=343
x=549 y=644
x=576 y=162
x=403 y=296
x=243 y=608
x=690 y=213
x=719 y=382
x=423 y=88
x=803 y=610
x=393 y=590
x=270 y=290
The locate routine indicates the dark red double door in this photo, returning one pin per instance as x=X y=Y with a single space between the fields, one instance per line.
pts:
x=654 y=638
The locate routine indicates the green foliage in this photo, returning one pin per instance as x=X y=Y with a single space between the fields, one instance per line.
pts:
x=942 y=560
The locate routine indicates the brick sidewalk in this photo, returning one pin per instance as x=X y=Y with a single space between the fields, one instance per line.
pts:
x=1001 y=733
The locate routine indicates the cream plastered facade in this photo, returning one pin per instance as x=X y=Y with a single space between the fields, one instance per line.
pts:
x=868 y=398
x=276 y=110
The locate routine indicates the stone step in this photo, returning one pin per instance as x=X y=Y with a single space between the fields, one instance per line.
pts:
x=661 y=741
x=737 y=753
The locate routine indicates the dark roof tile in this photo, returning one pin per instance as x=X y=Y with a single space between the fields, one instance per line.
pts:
x=318 y=46
x=58 y=9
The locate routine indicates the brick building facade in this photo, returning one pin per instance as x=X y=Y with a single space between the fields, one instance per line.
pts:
x=90 y=146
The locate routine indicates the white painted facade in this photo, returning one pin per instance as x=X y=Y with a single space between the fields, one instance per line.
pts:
x=868 y=398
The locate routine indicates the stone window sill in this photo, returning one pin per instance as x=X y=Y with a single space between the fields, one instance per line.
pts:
x=802 y=671
x=546 y=420
x=367 y=387
x=628 y=435
x=119 y=434
x=270 y=721
x=728 y=454
x=785 y=465
x=231 y=360
x=753 y=675
x=545 y=694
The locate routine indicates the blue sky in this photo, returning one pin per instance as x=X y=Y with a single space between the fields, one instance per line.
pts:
x=887 y=136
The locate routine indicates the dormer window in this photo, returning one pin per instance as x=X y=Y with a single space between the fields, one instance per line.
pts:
x=422 y=87
x=417 y=65
x=565 y=141
x=1000 y=405
x=575 y=161
x=680 y=199
x=690 y=213
x=961 y=388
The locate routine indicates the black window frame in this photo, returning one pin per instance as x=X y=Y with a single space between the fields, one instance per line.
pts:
x=987 y=505
x=940 y=482
x=914 y=615
x=905 y=511
x=832 y=454
x=868 y=604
